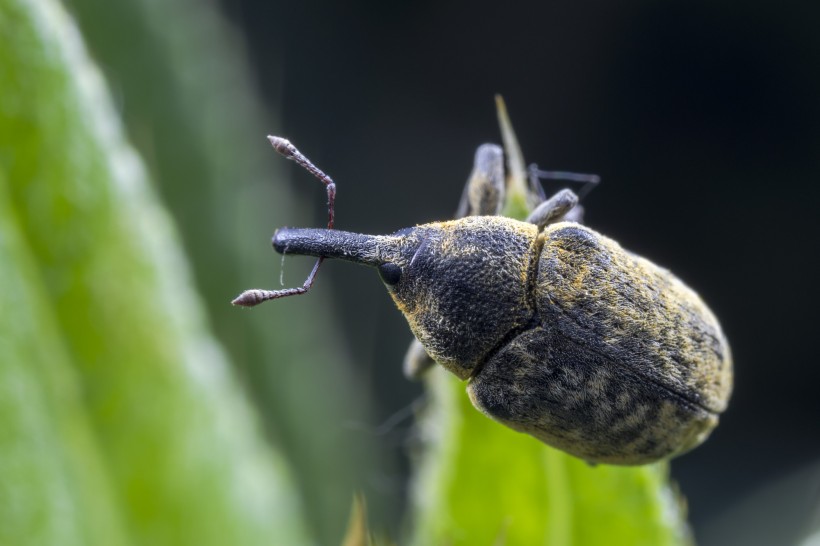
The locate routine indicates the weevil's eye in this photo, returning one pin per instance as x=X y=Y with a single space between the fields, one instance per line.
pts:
x=390 y=273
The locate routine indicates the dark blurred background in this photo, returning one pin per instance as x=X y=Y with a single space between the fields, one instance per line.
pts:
x=702 y=118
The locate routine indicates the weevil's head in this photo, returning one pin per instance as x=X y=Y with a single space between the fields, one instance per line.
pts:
x=463 y=285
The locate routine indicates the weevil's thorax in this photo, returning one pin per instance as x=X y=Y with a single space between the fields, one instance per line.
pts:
x=464 y=286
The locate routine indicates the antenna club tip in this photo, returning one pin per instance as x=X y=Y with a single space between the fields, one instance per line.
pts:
x=248 y=298
x=282 y=145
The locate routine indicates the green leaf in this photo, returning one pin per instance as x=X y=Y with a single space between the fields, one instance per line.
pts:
x=109 y=296
x=478 y=482
x=53 y=485
x=190 y=107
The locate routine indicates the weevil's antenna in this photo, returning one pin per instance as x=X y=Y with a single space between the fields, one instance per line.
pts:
x=250 y=298
x=589 y=181
x=284 y=147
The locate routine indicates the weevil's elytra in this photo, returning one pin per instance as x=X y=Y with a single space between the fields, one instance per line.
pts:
x=559 y=332
x=585 y=275
x=628 y=345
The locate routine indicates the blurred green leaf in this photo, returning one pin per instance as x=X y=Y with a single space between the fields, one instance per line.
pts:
x=811 y=540
x=174 y=437
x=478 y=482
x=190 y=106
x=53 y=484
x=358 y=531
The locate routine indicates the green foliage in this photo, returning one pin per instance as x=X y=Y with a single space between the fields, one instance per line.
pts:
x=53 y=488
x=121 y=422
x=190 y=108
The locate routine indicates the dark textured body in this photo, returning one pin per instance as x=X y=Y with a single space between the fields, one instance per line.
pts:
x=565 y=336
x=626 y=365
x=560 y=332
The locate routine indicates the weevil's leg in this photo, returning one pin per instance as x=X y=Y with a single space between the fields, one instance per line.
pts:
x=553 y=209
x=575 y=215
x=416 y=360
x=255 y=296
x=483 y=194
x=536 y=188
x=566 y=394
x=589 y=181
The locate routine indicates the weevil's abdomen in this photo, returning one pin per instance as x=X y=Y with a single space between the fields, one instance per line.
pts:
x=559 y=391
x=627 y=367
x=634 y=313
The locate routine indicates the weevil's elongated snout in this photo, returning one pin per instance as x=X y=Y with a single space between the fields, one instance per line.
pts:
x=372 y=250
x=330 y=243
x=462 y=285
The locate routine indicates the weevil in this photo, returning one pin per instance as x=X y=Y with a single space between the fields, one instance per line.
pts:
x=558 y=331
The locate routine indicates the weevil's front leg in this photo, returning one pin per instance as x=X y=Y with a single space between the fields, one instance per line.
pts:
x=416 y=360
x=483 y=194
x=553 y=209
x=588 y=181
